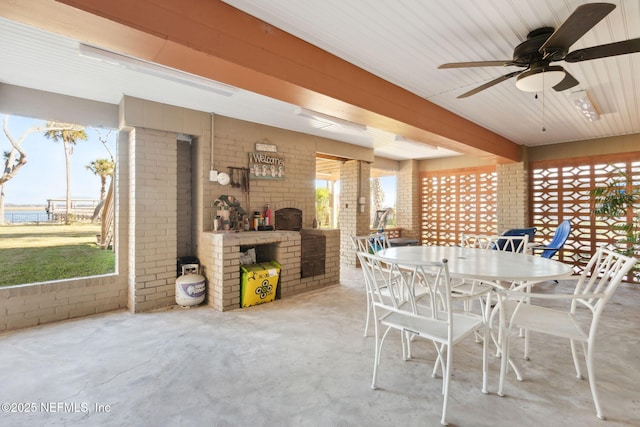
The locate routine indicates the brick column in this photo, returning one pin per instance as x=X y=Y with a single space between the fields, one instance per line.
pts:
x=353 y=219
x=512 y=196
x=408 y=199
x=152 y=219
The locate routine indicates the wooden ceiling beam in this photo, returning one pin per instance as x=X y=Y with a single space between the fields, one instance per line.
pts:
x=217 y=41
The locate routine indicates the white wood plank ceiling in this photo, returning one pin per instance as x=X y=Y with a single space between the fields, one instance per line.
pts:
x=404 y=42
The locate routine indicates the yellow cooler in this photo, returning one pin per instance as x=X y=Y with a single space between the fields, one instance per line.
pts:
x=259 y=283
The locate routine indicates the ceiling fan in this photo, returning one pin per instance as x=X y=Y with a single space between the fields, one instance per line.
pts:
x=544 y=46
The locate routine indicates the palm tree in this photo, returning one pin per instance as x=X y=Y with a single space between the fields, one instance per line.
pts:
x=69 y=134
x=104 y=169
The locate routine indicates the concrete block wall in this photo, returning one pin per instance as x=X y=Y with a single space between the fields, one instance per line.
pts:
x=512 y=200
x=353 y=219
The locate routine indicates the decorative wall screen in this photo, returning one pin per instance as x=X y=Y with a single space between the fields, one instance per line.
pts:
x=455 y=201
x=561 y=190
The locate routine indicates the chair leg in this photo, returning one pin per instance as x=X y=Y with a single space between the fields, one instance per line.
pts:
x=504 y=363
x=485 y=363
x=592 y=383
x=439 y=361
x=369 y=308
x=376 y=355
x=447 y=378
x=576 y=362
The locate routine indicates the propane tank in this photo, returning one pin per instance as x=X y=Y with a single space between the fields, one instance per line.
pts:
x=190 y=286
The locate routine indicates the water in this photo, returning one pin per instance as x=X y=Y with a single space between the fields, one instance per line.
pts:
x=25 y=216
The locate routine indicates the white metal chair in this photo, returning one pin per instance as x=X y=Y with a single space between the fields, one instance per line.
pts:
x=469 y=287
x=369 y=243
x=517 y=244
x=595 y=286
x=480 y=241
x=430 y=316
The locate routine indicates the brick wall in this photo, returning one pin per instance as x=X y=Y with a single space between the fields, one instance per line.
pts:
x=408 y=199
x=153 y=228
x=233 y=141
x=512 y=201
x=353 y=220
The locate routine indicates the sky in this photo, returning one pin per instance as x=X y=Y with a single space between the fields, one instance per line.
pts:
x=44 y=177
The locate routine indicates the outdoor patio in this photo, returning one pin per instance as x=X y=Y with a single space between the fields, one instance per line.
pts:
x=299 y=362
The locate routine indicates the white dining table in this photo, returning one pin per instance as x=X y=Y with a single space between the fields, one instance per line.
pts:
x=494 y=267
x=481 y=264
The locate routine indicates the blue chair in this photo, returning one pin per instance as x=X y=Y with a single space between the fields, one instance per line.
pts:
x=530 y=231
x=559 y=238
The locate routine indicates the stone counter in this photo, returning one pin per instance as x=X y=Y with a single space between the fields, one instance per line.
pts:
x=220 y=255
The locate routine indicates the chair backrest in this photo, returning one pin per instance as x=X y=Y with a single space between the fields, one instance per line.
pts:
x=602 y=275
x=479 y=241
x=559 y=238
x=518 y=243
x=511 y=244
x=400 y=283
x=371 y=243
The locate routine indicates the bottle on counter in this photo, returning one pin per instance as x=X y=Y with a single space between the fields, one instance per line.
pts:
x=256 y=220
x=267 y=215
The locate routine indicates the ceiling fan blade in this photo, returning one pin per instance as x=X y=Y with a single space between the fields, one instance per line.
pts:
x=567 y=83
x=604 y=50
x=478 y=64
x=489 y=84
x=575 y=26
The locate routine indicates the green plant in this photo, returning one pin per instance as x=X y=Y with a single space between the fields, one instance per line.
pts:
x=323 y=209
x=616 y=200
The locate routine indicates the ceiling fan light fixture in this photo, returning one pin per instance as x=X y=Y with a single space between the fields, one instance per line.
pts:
x=537 y=79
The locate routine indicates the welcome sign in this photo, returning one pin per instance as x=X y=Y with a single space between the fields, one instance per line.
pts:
x=266 y=165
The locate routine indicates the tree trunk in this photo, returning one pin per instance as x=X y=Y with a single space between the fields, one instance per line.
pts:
x=67 y=159
x=2 y=221
x=103 y=187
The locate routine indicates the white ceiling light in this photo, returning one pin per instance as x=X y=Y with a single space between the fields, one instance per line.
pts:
x=536 y=79
x=156 y=70
x=329 y=120
x=582 y=102
x=419 y=144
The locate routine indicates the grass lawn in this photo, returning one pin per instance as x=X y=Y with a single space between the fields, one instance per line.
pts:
x=40 y=253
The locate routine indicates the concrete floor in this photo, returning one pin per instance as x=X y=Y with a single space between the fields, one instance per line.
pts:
x=297 y=362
